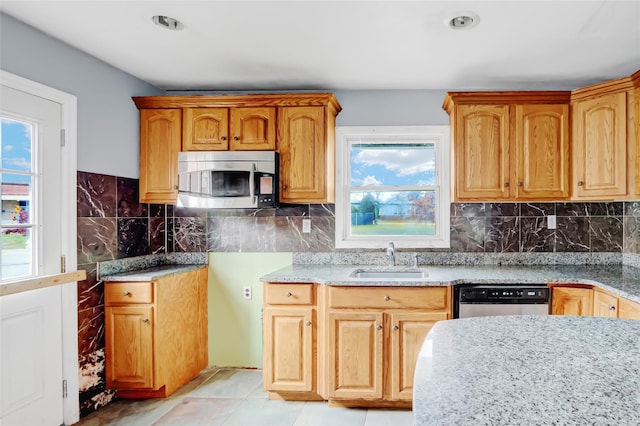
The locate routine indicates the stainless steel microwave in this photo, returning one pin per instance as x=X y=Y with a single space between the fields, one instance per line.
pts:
x=228 y=179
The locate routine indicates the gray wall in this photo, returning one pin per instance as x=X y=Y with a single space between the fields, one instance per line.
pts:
x=107 y=117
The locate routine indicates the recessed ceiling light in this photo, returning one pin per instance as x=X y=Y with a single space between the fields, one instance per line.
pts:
x=463 y=21
x=167 y=22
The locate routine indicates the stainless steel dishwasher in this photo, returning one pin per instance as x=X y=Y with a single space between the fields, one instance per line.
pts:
x=476 y=300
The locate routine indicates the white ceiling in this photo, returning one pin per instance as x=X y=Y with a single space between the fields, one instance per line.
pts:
x=333 y=45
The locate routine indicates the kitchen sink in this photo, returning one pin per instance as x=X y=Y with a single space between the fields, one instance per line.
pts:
x=386 y=275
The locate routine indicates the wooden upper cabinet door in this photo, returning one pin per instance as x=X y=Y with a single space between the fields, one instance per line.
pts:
x=205 y=129
x=636 y=119
x=253 y=129
x=160 y=134
x=572 y=301
x=303 y=154
x=600 y=146
x=542 y=151
x=604 y=305
x=481 y=150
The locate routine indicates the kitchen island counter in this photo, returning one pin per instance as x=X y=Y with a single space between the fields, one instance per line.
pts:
x=621 y=280
x=529 y=370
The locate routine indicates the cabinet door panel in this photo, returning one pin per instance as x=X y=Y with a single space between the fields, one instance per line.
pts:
x=205 y=129
x=408 y=331
x=572 y=301
x=303 y=156
x=288 y=349
x=253 y=129
x=604 y=305
x=628 y=309
x=600 y=146
x=481 y=150
x=542 y=151
x=129 y=346
x=355 y=365
x=159 y=146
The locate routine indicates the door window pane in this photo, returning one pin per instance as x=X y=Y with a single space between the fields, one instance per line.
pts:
x=16 y=183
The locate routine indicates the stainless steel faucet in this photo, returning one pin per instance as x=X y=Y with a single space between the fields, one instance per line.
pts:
x=391 y=253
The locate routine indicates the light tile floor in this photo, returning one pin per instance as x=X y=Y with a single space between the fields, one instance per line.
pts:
x=224 y=396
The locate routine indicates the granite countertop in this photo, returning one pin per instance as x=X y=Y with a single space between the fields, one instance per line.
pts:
x=531 y=370
x=150 y=274
x=618 y=279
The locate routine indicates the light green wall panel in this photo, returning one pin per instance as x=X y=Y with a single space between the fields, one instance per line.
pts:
x=235 y=324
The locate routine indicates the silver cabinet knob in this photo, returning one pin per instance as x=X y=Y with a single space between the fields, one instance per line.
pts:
x=127 y=293
x=236 y=138
x=284 y=186
x=580 y=183
x=612 y=308
x=308 y=323
x=145 y=320
x=387 y=298
x=379 y=327
x=396 y=328
x=289 y=294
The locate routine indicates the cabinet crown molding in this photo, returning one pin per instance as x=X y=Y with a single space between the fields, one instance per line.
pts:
x=253 y=100
x=505 y=98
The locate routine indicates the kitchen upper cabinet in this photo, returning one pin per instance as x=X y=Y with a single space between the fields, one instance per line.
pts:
x=299 y=126
x=634 y=120
x=542 y=152
x=306 y=155
x=289 y=334
x=160 y=137
x=571 y=301
x=600 y=147
x=481 y=152
x=155 y=333
x=509 y=145
x=236 y=129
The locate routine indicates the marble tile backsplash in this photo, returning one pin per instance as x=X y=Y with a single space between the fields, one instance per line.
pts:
x=113 y=225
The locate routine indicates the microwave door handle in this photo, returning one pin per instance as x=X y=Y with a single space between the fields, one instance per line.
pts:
x=252 y=184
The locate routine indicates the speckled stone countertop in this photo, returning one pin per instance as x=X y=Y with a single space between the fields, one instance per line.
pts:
x=529 y=370
x=153 y=273
x=618 y=279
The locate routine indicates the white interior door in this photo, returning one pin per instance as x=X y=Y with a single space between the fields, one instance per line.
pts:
x=31 y=332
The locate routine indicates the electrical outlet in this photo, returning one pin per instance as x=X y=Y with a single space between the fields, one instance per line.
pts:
x=306 y=226
x=246 y=292
x=551 y=221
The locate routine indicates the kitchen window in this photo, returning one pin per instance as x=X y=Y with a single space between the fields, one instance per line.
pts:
x=392 y=184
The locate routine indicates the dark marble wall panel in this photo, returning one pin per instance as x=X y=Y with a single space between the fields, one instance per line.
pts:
x=467 y=234
x=129 y=204
x=606 y=234
x=535 y=236
x=96 y=195
x=572 y=234
x=502 y=209
x=632 y=234
x=190 y=234
x=133 y=237
x=289 y=236
x=537 y=209
x=157 y=235
x=97 y=239
x=323 y=234
x=502 y=234
x=257 y=234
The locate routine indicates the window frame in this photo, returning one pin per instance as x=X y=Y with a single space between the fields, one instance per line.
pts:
x=345 y=137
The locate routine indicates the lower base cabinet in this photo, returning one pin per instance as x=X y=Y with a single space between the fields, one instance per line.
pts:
x=360 y=351
x=567 y=299
x=155 y=334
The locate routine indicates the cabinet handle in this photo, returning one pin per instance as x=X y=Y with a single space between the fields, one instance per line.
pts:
x=396 y=328
x=284 y=186
x=236 y=138
x=520 y=184
x=379 y=327
x=387 y=298
x=506 y=184
x=175 y=186
x=127 y=293
x=289 y=294
x=580 y=183
x=145 y=320
x=612 y=308
x=308 y=323
x=224 y=138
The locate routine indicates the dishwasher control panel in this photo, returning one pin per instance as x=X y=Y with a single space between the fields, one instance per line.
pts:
x=504 y=294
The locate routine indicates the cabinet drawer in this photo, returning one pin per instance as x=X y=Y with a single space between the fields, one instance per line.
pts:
x=128 y=292
x=288 y=294
x=432 y=298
